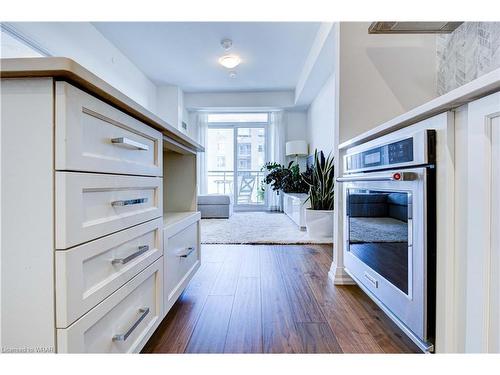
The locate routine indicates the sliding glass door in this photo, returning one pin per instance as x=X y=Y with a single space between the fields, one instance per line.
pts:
x=250 y=157
x=220 y=160
x=236 y=152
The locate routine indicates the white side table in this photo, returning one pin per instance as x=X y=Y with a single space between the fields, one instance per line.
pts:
x=295 y=207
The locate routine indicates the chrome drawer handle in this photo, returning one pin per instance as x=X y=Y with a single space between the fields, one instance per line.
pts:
x=184 y=253
x=142 y=250
x=124 y=336
x=129 y=202
x=372 y=280
x=128 y=143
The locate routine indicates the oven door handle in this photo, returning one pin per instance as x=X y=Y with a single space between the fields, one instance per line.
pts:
x=364 y=178
x=393 y=176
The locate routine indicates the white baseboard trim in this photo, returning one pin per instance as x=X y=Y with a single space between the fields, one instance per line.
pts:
x=339 y=277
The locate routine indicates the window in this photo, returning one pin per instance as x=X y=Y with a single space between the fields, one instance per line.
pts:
x=244 y=149
x=221 y=161
x=244 y=164
x=235 y=154
x=220 y=151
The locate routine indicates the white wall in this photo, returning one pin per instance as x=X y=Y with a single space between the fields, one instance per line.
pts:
x=171 y=108
x=318 y=65
x=321 y=119
x=239 y=100
x=382 y=76
x=192 y=125
x=169 y=104
x=296 y=130
x=192 y=129
x=82 y=42
x=296 y=125
x=12 y=47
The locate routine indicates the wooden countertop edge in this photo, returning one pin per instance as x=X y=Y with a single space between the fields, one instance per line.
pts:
x=63 y=68
x=482 y=86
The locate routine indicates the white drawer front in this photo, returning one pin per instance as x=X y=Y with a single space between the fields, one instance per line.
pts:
x=182 y=259
x=96 y=137
x=133 y=311
x=90 y=205
x=88 y=273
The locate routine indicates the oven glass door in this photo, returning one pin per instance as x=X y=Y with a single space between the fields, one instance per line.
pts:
x=379 y=232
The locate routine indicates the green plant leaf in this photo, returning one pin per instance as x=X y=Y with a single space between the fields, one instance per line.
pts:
x=321 y=182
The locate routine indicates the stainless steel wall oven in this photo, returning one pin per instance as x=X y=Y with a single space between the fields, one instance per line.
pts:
x=389 y=228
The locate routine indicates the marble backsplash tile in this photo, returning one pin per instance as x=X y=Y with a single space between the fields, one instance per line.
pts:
x=472 y=50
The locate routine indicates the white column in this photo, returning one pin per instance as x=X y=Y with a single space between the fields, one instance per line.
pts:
x=27 y=214
x=337 y=272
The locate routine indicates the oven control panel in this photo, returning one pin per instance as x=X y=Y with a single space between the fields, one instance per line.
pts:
x=407 y=151
x=401 y=152
x=393 y=153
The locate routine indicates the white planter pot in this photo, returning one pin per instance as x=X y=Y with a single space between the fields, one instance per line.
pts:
x=319 y=223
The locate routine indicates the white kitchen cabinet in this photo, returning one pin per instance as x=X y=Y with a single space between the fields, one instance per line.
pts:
x=181 y=224
x=482 y=230
x=87 y=274
x=83 y=206
x=182 y=257
x=94 y=136
x=91 y=205
x=122 y=322
x=468 y=279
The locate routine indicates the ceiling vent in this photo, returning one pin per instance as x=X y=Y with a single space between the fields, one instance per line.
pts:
x=413 y=27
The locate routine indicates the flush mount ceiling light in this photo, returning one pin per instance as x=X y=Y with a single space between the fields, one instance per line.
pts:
x=230 y=61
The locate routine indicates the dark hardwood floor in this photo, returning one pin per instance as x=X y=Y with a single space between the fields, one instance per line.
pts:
x=273 y=299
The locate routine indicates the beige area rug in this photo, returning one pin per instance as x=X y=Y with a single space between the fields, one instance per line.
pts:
x=377 y=229
x=255 y=228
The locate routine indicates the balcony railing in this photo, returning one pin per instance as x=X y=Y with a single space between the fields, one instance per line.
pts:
x=247 y=187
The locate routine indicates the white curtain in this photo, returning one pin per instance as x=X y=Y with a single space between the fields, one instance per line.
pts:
x=276 y=147
x=201 y=160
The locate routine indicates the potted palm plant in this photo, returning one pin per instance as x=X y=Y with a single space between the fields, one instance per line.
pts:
x=287 y=179
x=319 y=217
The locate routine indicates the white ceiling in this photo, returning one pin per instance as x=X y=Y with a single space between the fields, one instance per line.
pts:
x=186 y=53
